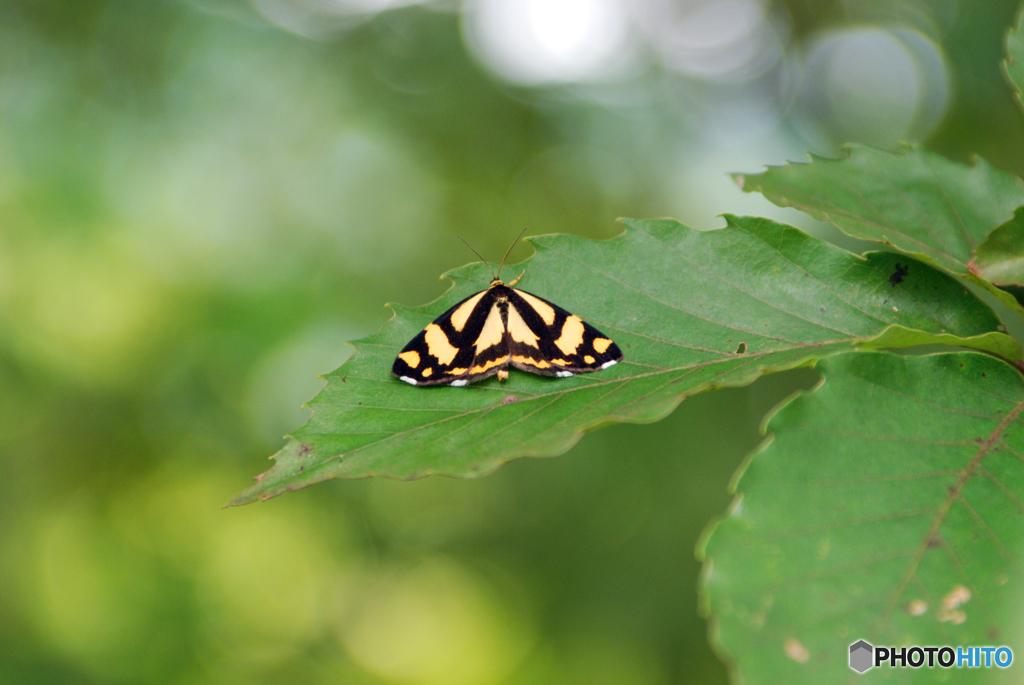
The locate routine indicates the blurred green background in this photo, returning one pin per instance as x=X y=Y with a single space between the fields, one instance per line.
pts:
x=201 y=201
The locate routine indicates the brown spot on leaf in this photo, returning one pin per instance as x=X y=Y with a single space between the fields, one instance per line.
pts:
x=509 y=399
x=955 y=617
x=950 y=612
x=796 y=651
x=917 y=607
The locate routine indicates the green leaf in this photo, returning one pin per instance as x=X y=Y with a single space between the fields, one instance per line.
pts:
x=895 y=337
x=690 y=310
x=1013 y=65
x=917 y=201
x=1000 y=259
x=878 y=499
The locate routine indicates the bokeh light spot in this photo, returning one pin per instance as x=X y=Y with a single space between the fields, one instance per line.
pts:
x=436 y=623
x=93 y=601
x=716 y=40
x=322 y=18
x=83 y=309
x=548 y=41
x=265 y=587
x=873 y=86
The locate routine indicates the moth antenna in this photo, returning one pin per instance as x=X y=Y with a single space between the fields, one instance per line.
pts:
x=509 y=250
x=481 y=258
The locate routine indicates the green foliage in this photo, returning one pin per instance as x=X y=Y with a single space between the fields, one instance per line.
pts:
x=917 y=201
x=1000 y=259
x=1013 y=65
x=198 y=208
x=879 y=495
x=690 y=310
x=886 y=504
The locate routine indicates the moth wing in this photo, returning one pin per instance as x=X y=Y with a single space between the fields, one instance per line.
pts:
x=561 y=343
x=446 y=350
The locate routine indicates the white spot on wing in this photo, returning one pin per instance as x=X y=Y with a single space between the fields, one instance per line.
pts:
x=408 y=380
x=459 y=384
x=563 y=374
x=611 y=363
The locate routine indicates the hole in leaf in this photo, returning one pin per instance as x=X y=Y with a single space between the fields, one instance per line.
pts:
x=741 y=348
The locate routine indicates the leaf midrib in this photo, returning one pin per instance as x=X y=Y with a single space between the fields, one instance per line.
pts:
x=621 y=382
x=940 y=517
x=558 y=394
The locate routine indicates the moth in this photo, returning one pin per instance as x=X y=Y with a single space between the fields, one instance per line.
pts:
x=499 y=327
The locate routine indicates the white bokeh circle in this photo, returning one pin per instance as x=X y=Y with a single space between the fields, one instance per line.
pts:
x=537 y=42
x=871 y=85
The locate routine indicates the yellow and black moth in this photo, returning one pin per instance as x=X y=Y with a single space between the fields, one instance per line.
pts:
x=501 y=326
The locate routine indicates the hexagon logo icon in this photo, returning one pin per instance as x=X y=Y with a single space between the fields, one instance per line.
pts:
x=861 y=656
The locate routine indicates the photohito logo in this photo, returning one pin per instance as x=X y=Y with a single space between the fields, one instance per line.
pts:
x=865 y=656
